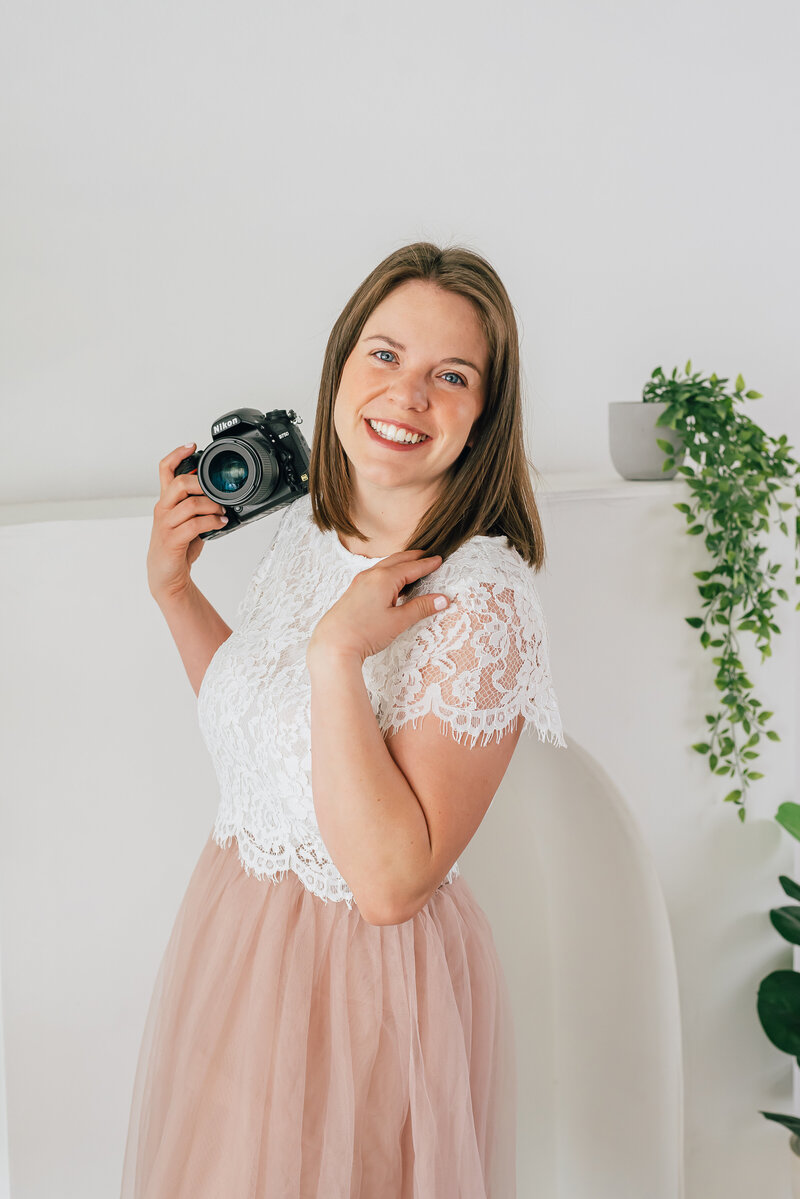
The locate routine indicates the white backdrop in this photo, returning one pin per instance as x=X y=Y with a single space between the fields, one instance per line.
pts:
x=589 y=859
x=191 y=193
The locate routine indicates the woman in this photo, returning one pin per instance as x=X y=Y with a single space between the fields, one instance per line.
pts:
x=330 y=1019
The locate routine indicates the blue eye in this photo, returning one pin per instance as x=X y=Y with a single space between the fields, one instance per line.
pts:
x=392 y=355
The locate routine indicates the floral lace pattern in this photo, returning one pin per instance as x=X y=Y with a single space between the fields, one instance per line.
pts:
x=477 y=666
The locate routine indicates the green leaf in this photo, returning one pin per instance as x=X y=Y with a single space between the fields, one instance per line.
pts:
x=732 y=796
x=790 y=886
x=790 y=1122
x=788 y=816
x=786 y=921
x=694 y=621
x=778 y=1006
x=739 y=383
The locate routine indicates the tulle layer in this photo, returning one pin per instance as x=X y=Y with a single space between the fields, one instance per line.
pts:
x=294 y=1051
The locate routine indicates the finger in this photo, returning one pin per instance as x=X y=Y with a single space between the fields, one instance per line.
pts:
x=412 y=556
x=184 y=533
x=408 y=571
x=401 y=555
x=167 y=465
x=423 y=607
x=185 y=487
x=190 y=508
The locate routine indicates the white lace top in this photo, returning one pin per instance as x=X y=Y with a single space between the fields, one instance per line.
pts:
x=477 y=666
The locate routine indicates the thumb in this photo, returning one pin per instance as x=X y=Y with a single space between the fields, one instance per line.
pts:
x=428 y=604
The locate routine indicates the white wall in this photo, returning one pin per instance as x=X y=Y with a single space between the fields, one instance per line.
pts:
x=192 y=191
x=108 y=795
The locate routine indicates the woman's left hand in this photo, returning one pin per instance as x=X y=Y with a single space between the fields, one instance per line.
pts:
x=366 y=618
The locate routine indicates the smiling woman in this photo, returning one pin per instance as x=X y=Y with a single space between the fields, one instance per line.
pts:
x=330 y=1017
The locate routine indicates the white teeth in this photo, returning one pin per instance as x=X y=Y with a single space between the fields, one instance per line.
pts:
x=392 y=433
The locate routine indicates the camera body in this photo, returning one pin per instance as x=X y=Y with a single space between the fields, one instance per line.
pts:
x=255 y=462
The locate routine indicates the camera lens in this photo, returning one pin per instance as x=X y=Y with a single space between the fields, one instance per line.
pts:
x=228 y=471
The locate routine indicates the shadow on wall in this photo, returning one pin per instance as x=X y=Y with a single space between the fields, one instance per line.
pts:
x=581 y=926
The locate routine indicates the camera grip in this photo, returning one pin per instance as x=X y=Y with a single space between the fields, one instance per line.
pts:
x=188 y=465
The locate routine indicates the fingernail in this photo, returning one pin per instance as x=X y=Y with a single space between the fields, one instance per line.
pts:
x=187 y=445
x=440 y=602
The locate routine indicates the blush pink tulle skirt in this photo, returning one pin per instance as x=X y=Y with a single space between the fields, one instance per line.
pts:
x=294 y=1051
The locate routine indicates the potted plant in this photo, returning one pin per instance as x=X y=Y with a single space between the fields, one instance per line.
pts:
x=778 y=1002
x=735 y=472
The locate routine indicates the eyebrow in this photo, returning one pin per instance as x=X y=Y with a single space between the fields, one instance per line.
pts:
x=397 y=346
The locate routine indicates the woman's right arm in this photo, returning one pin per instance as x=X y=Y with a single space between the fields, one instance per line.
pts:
x=181 y=513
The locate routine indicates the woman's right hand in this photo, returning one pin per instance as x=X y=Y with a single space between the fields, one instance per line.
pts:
x=182 y=512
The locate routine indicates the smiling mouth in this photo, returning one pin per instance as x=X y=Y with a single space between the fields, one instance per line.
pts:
x=394 y=434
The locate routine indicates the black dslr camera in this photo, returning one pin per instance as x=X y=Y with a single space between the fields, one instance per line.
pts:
x=254 y=464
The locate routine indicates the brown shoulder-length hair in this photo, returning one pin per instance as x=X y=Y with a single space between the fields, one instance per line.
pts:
x=490 y=489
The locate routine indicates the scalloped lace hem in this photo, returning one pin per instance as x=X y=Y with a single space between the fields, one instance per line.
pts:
x=272 y=866
x=461 y=726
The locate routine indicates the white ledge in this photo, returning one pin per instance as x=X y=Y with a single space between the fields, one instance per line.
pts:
x=559 y=485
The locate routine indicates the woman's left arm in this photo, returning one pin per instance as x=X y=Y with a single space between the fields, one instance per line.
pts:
x=395 y=813
x=368 y=815
x=392 y=842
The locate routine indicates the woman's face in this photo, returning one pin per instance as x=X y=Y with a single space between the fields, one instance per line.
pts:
x=421 y=363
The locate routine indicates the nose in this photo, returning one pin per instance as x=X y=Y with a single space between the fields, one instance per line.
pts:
x=410 y=390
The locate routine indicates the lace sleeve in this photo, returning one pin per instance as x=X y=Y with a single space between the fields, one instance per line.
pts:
x=477 y=665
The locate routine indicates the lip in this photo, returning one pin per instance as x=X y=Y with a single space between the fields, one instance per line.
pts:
x=400 y=424
x=395 y=445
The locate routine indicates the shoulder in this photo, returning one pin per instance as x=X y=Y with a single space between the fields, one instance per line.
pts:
x=283 y=527
x=494 y=607
x=487 y=574
x=482 y=660
x=291 y=518
x=296 y=512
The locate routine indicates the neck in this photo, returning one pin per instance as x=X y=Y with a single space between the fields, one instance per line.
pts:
x=387 y=516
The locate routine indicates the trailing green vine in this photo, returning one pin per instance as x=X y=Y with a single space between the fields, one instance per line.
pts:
x=733 y=471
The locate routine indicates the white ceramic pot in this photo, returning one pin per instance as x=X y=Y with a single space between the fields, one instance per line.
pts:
x=633 y=440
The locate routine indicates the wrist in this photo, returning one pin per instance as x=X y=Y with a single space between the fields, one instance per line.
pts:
x=172 y=597
x=321 y=655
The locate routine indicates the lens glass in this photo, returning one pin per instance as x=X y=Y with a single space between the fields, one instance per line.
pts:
x=228 y=471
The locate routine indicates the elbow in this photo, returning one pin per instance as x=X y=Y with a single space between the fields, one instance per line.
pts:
x=381 y=914
x=377 y=918
x=384 y=917
x=382 y=910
